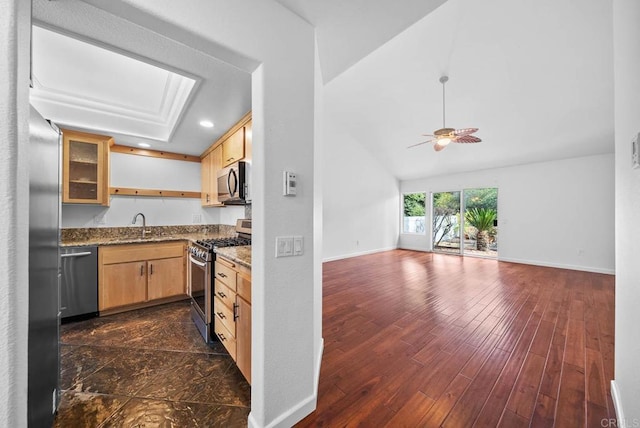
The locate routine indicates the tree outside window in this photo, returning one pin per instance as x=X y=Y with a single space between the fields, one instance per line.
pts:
x=414 y=211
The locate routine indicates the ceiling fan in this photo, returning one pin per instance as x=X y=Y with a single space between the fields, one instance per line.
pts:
x=443 y=136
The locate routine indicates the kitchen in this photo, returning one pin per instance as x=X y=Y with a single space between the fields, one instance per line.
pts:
x=143 y=226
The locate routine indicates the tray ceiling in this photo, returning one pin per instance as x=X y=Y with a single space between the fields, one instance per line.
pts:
x=82 y=85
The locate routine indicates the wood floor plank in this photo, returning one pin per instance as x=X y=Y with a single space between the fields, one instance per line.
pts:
x=411 y=414
x=422 y=339
x=571 y=407
x=441 y=408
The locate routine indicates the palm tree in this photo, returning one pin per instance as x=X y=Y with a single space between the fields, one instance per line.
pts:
x=482 y=220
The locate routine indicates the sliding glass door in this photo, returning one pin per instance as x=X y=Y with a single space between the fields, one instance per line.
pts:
x=465 y=222
x=481 y=222
x=445 y=216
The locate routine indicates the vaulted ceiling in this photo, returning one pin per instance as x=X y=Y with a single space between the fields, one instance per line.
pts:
x=535 y=76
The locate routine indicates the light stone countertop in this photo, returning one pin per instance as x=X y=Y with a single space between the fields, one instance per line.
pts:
x=240 y=255
x=80 y=237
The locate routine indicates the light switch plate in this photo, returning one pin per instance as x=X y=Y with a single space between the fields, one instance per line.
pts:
x=284 y=246
x=298 y=246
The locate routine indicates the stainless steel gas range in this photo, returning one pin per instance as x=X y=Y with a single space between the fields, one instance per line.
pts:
x=201 y=275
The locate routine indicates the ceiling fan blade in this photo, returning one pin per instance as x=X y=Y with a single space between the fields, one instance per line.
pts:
x=465 y=131
x=428 y=135
x=467 y=139
x=437 y=147
x=419 y=144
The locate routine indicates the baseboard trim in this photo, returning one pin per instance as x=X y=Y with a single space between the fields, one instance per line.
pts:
x=410 y=248
x=359 y=253
x=559 y=265
x=302 y=409
x=617 y=404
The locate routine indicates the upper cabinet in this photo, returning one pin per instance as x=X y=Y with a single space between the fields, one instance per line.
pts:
x=209 y=164
x=233 y=148
x=85 y=170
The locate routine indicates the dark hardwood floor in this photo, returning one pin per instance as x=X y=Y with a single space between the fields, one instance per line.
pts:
x=424 y=340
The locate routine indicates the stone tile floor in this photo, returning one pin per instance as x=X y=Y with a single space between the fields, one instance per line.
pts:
x=147 y=368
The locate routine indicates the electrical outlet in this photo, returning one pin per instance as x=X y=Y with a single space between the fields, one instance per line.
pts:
x=100 y=219
x=197 y=218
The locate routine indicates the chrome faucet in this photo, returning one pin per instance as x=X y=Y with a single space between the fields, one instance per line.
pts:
x=144 y=222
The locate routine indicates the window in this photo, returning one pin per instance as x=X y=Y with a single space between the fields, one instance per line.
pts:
x=413 y=219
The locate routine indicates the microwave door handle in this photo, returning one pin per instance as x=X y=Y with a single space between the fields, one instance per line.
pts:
x=232 y=190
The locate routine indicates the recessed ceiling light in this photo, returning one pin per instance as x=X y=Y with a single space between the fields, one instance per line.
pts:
x=145 y=145
x=206 y=123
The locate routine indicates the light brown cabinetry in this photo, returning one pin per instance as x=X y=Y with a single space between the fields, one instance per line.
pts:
x=243 y=325
x=85 y=170
x=210 y=164
x=140 y=274
x=232 y=311
x=233 y=148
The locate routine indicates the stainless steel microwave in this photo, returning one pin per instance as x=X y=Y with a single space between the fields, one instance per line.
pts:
x=233 y=184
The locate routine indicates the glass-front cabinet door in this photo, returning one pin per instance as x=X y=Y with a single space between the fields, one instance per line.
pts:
x=85 y=173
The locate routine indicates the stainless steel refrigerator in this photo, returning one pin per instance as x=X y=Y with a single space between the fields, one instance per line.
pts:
x=44 y=270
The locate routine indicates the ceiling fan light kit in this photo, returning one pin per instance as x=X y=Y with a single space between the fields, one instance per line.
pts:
x=443 y=136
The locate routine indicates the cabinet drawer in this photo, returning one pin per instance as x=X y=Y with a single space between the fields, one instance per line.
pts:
x=224 y=315
x=225 y=294
x=226 y=339
x=136 y=252
x=225 y=274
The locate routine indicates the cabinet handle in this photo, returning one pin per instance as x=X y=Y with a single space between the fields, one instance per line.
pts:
x=141 y=270
x=207 y=197
x=221 y=275
x=221 y=336
x=151 y=270
x=236 y=308
x=221 y=315
x=230 y=159
x=221 y=294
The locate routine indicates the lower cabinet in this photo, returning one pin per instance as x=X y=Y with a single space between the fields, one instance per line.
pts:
x=135 y=274
x=232 y=311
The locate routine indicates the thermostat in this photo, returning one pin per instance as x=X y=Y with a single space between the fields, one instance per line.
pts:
x=289 y=184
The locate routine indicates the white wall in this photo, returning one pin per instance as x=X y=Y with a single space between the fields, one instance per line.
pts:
x=360 y=197
x=150 y=173
x=14 y=210
x=626 y=388
x=556 y=213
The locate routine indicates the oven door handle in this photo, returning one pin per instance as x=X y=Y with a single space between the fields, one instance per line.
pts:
x=199 y=263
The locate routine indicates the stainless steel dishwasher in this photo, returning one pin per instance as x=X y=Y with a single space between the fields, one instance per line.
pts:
x=79 y=285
